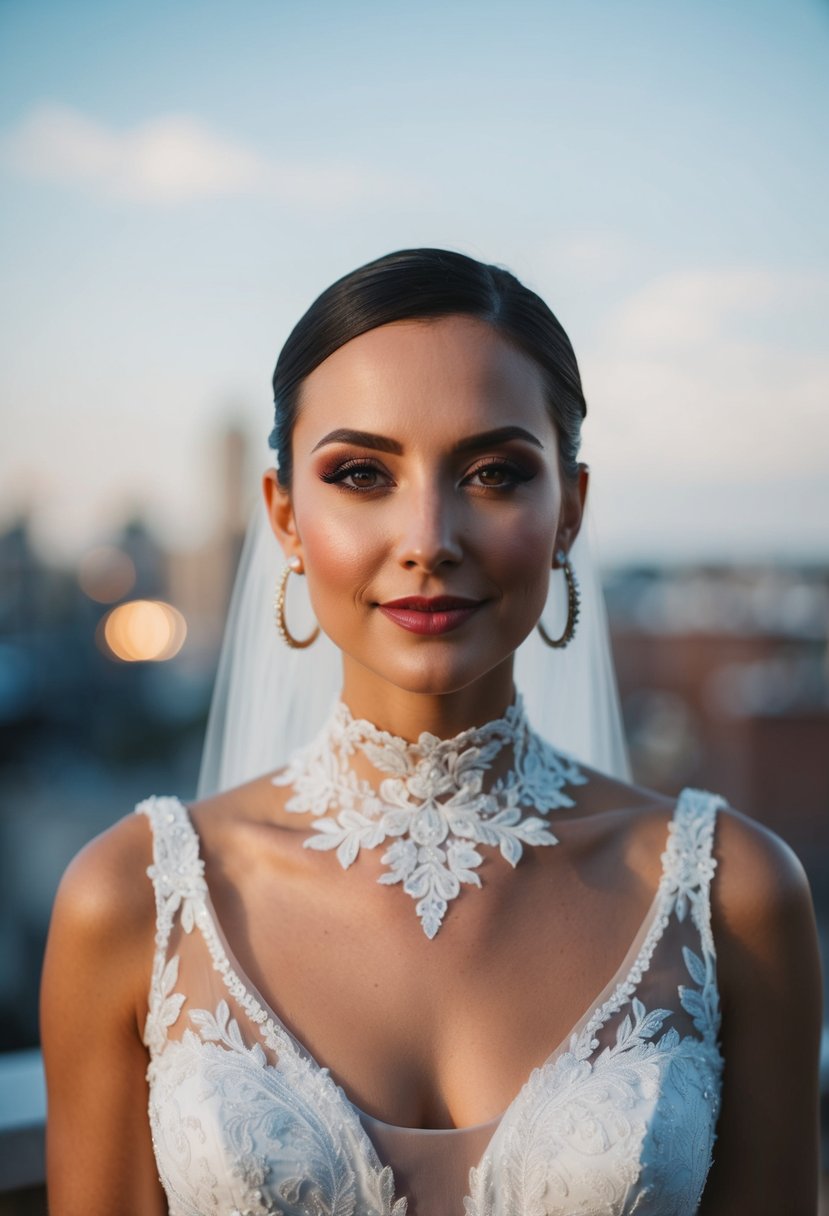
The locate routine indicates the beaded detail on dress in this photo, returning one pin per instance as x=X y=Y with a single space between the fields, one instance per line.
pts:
x=619 y=1119
x=433 y=801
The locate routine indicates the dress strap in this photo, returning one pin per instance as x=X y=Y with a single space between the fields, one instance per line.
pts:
x=177 y=872
x=688 y=861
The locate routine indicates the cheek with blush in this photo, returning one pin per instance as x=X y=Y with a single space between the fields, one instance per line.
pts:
x=524 y=559
x=340 y=561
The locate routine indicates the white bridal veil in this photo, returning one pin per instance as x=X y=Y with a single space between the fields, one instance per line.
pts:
x=268 y=700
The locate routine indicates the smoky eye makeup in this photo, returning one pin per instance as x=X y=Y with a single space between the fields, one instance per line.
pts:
x=366 y=473
x=496 y=469
x=495 y=474
x=499 y=474
x=510 y=464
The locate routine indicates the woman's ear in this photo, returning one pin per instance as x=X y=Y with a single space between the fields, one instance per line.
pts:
x=572 y=510
x=281 y=514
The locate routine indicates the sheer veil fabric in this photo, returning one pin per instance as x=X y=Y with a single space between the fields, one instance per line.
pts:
x=268 y=699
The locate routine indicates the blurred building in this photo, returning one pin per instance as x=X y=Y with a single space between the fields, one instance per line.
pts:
x=86 y=733
x=199 y=581
x=724 y=680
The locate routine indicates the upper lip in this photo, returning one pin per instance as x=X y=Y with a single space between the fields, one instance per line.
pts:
x=437 y=603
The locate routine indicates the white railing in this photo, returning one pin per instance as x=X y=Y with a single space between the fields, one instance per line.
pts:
x=22 y=1120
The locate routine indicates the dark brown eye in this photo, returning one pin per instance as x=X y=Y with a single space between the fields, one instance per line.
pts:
x=494 y=475
x=498 y=475
x=355 y=475
x=366 y=479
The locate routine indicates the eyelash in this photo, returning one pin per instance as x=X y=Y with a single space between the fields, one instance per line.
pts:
x=338 y=475
x=516 y=474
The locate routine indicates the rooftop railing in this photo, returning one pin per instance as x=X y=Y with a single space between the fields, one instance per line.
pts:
x=22 y=1120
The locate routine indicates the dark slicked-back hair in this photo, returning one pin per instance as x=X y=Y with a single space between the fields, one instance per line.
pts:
x=418 y=284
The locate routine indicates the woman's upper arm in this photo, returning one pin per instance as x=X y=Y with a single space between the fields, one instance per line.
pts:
x=766 y=1153
x=95 y=978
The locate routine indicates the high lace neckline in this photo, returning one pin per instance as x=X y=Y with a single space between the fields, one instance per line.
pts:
x=436 y=799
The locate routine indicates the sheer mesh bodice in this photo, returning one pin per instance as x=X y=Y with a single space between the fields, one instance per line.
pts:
x=620 y=1118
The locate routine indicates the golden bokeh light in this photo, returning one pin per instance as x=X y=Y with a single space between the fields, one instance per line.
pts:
x=106 y=574
x=142 y=631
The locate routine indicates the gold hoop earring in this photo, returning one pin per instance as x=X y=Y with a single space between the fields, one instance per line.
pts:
x=293 y=565
x=573 y=604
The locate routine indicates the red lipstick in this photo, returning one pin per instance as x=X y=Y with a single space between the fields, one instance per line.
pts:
x=437 y=615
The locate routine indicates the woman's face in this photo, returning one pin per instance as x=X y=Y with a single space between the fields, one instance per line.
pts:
x=426 y=502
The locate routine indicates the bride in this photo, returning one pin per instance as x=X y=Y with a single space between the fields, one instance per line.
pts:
x=443 y=958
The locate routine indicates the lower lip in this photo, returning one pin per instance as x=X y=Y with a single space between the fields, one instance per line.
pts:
x=431 y=623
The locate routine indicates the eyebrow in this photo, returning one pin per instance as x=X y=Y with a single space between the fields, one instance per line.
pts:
x=380 y=443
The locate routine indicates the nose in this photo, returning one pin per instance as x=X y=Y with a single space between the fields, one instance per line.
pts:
x=430 y=530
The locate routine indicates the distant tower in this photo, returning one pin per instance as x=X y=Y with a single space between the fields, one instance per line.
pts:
x=200 y=581
x=235 y=504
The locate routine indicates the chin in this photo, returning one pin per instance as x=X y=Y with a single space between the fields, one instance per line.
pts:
x=435 y=676
x=435 y=667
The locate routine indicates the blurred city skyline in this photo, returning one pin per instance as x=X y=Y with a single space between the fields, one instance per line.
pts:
x=179 y=182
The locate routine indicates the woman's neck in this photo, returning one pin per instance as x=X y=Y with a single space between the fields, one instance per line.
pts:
x=408 y=714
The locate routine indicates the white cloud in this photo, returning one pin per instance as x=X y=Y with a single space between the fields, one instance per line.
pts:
x=594 y=255
x=700 y=373
x=681 y=310
x=170 y=160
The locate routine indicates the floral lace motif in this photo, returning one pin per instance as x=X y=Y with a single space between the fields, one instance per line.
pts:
x=289 y=1134
x=630 y=1127
x=620 y=1120
x=432 y=803
x=290 y=1147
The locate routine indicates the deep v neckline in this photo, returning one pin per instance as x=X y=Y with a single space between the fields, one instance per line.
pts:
x=617 y=989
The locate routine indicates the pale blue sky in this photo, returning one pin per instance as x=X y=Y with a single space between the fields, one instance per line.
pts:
x=179 y=180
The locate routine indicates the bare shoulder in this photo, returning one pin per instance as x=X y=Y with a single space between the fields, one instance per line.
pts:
x=759 y=882
x=94 y=993
x=107 y=880
x=760 y=886
x=105 y=905
x=768 y=974
x=764 y=928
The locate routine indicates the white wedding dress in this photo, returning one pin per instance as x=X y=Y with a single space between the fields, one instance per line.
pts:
x=619 y=1118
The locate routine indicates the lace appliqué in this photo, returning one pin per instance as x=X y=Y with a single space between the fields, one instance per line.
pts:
x=432 y=803
x=294 y=1145
x=688 y=868
x=621 y=1119
x=177 y=875
x=291 y=1145
x=645 y=1106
